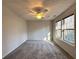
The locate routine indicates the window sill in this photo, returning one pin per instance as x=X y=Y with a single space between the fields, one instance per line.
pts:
x=72 y=44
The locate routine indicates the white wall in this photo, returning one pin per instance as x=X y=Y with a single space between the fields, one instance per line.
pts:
x=14 y=31
x=38 y=30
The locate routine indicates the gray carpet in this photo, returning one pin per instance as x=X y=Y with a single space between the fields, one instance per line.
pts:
x=37 y=49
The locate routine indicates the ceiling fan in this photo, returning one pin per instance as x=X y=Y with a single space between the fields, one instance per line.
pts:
x=38 y=12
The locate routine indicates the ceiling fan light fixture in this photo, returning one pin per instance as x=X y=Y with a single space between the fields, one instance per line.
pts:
x=39 y=15
x=40 y=12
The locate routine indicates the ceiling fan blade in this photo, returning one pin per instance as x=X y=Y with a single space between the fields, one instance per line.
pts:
x=30 y=12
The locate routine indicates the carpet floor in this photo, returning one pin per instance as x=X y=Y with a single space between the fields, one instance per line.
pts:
x=37 y=49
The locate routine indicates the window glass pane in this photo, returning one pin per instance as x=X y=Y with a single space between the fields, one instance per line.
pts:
x=69 y=22
x=69 y=36
x=58 y=33
x=58 y=25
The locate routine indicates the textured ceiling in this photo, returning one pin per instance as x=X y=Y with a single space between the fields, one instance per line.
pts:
x=22 y=7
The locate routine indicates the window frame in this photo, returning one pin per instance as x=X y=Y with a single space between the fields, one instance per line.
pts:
x=62 y=30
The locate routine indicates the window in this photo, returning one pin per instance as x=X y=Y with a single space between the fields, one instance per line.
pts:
x=65 y=29
x=58 y=29
x=69 y=22
x=69 y=36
